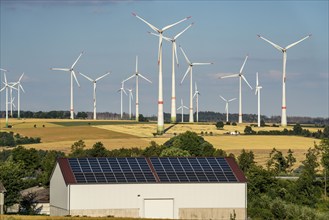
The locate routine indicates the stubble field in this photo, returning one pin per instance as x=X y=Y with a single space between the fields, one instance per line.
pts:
x=61 y=134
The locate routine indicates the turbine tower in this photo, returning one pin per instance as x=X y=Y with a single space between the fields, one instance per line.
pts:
x=226 y=106
x=284 y=51
x=122 y=90
x=189 y=70
x=173 y=77
x=241 y=76
x=94 y=83
x=71 y=70
x=182 y=106
x=257 y=92
x=131 y=97
x=6 y=88
x=137 y=75
x=196 y=96
x=160 y=126
x=19 y=88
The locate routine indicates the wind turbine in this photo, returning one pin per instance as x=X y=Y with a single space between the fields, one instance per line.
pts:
x=131 y=97
x=173 y=82
x=6 y=88
x=122 y=90
x=190 y=69
x=137 y=75
x=19 y=88
x=94 y=83
x=3 y=70
x=226 y=106
x=182 y=106
x=196 y=95
x=241 y=76
x=160 y=127
x=284 y=51
x=257 y=91
x=71 y=70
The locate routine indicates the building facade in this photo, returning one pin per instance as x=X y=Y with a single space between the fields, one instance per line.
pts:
x=174 y=188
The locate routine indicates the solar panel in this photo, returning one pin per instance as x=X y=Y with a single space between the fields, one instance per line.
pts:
x=141 y=170
x=111 y=170
x=184 y=170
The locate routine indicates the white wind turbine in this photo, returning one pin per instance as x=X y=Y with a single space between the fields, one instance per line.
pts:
x=173 y=77
x=6 y=88
x=71 y=70
x=94 y=83
x=160 y=127
x=122 y=90
x=182 y=106
x=257 y=91
x=189 y=70
x=131 y=97
x=226 y=105
x=284 y=51
x=241 y=76
x=19 y=88
x=196 y=96
x=137 y=75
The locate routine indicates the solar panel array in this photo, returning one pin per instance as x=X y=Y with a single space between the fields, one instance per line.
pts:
x=199 y=169
x=111 y=170
x=139 y=170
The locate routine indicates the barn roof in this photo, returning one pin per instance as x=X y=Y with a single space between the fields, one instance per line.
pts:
x=112 y=170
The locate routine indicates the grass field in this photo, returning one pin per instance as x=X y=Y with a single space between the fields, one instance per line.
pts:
x=60 y=134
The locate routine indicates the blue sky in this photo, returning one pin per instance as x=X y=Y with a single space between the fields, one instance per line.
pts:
x=37 y=35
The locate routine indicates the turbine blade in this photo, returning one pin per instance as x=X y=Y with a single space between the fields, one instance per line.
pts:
x=226 y=106
x=76 y=60
x=229 y=76
x=167 y=38
x=124 y=91
x=231 y=100
x=273 y=44
x=21 y=87
x=195 y=93
x=150 y=25
x=256 y=90
x=185 y=107
x=257 y=79
x=129 y=78
x=75 y=77
x=160 y=48
x=153 y=33
x=136 y=70
x=187 y=60
x=91 y=80
x=2 y=88
x=5 y=78
x=175 y=51
x=188 y=69
x=182 y=31
x=61 y=69
x=102 y=76
x=145 y=78
x=199 y=64
x=179 y=108
x=244 y=78
x=3 y=70
x=244 y=63
x=171 y=25
x=20 y=78
x=297 y=42
x=223 y=98
x=196 y=87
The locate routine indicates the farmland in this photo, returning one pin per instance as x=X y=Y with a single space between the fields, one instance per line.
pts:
x=59 y=134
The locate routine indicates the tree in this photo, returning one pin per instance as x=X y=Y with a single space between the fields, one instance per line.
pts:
x=277 y=161
x=297 y=129
x=28 y=204
x=246 y=160
x=248 y=130
x=290 y=159
x=174 y=152
x=47 y=165
x=98 y=150
x=262 y=123
x=325 y=133
x=77 y=149
x=220 y=125
x=152 y=151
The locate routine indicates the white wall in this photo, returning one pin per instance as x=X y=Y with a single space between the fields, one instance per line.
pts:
x=198 y=195
x=58 y=190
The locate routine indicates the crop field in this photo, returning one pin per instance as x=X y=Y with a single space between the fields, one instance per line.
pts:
x=60 y=134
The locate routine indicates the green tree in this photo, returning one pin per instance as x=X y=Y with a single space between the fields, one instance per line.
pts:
x=48 y=163
x=325 y=133
x=248 y=130
x=28 y=204
x=98 y=150
x=262 y=123
x=290 y=159
x=174 y=152
x=78 y=149
x=220 y=125
x=277 y=161
x=29 y=157
x=154 y=150
x=11 y=175
x=246 y=160
x=297 y=129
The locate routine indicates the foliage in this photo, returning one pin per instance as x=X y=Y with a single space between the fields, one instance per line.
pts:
x=82 y=115
x=78 y=149
x=98 y=150
x=174 y=152
x=10 y=140
x=28 y=204
x=246 y=160
x=220 y=125
x=248 y=130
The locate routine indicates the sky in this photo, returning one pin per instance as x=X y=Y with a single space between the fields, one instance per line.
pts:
x=38 y=35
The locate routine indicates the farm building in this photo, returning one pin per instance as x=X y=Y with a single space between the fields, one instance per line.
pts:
x=174 y=188
x=2 y=197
